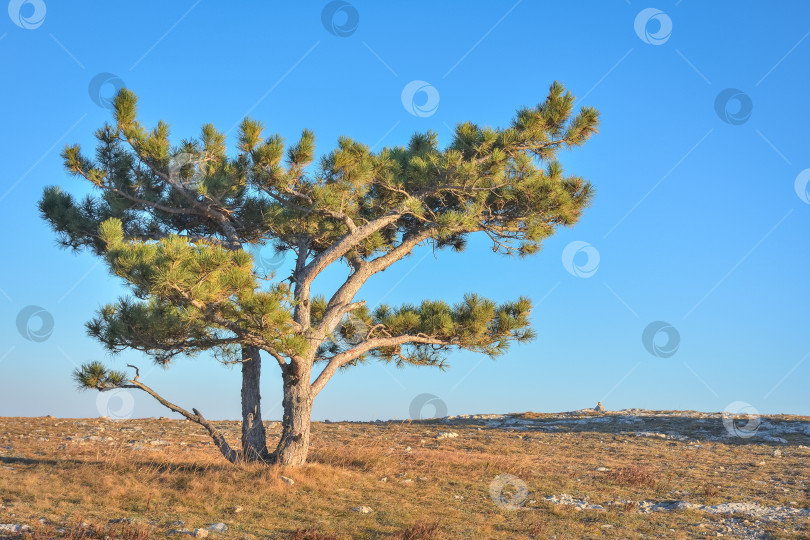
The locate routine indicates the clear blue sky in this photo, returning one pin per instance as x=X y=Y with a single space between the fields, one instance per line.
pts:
x=697 y=220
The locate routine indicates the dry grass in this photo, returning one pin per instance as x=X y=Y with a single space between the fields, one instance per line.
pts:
x=421 y=531
x=311 y=534
x=438 y=489
x=634 y=476
x=78 y=530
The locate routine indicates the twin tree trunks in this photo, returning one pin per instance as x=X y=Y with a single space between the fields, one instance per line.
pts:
x=293 y=446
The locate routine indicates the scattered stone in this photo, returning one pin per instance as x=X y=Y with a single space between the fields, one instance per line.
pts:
x=287 y=480
x=447 y=435
x=200 y=533
x=777 y=453
x=13 y=528
x=362 y=509
x=384 y=479
x=754 y=511
x=599 y=407
x=578 y=504
x=236 y=509
x=602 y=469
x=217 y=527
x=407 y=449
x=650 y=434
x=458 y=497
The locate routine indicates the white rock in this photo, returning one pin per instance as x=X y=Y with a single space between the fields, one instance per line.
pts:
x=287 y=480
x=200 y=533
x=649 y=434
x=217 y=527
x=12 y=528
x=362 y=509
x=447 y=435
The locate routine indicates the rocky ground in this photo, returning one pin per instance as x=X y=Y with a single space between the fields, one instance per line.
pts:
x=582 y=474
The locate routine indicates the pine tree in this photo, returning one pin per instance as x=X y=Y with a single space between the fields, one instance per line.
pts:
x=175 y=222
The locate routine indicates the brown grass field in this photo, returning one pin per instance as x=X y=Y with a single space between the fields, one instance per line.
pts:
x=97 y=478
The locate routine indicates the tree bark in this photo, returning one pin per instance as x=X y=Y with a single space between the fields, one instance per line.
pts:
x=254 y=440
x=294 y=444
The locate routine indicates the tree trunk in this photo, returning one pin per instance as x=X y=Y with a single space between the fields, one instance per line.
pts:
x=254 y=441
x=294 y=444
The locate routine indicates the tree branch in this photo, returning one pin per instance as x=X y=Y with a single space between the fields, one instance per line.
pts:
x=344 y=245
x=352 y=354
x=345 y=294
x=207 y=210
x=275 y=354
x=230 y=454
x=144 y=202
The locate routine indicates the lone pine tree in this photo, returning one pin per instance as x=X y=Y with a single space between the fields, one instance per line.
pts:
x=174 y=223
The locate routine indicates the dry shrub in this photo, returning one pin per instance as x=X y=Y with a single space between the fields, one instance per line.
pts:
x=76 y=531
x=537 y=529
x=635 y=476
x=710 y=490
x=420 y=531
x=311 y=534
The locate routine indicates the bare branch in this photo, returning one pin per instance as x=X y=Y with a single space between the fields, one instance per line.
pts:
x=352 y=354
x=230 y=454
x=137 y=372
x=345 y=294
x=344 y=245
x=275 y=354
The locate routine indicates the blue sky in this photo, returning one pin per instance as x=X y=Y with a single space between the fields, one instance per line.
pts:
x=700 y=218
